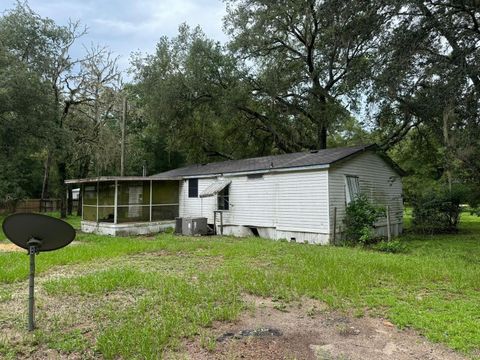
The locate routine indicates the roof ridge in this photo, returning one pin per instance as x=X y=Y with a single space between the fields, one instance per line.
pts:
x=306 y=153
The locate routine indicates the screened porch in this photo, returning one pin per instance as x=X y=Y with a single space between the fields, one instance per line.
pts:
x=128 y=200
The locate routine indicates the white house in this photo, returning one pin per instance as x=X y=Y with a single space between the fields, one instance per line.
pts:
x=291 y=196
x=298 y=196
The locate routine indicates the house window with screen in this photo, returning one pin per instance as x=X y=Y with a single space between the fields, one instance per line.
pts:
x=193 y=188
x=352 y=188
x=223 y=198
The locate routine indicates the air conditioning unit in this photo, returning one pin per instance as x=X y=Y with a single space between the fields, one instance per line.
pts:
x=192 y=226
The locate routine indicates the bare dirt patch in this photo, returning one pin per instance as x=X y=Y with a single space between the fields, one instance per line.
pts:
x=10 y=247
x=57 y=315
x=308 y=330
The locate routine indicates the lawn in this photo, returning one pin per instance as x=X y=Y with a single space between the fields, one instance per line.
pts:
x=139 y=297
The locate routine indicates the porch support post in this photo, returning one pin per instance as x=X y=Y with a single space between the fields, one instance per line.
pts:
x=151 y=197
x=115 y=204
x=82 y=194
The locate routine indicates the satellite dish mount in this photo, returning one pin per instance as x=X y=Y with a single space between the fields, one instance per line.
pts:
x=33 y=249
x=35 y=233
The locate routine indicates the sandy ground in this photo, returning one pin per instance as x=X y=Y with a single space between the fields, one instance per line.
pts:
x=307 y=330
x=268 y=330
x=7 y=247
x=10 y=247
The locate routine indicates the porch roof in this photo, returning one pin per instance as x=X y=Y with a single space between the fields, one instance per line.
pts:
x=119 y=178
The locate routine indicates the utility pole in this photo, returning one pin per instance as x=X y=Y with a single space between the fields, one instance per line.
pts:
x=447 y=115
x=124 y=121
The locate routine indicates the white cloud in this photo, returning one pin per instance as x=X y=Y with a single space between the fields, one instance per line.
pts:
x=127 y=26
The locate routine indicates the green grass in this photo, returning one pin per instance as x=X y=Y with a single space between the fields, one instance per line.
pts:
x=5 y=295
x=177 y=286
x=14 y=267
x=104 y=281
x=178 y=309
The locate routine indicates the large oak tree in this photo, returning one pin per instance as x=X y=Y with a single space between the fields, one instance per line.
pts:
x=308 y=58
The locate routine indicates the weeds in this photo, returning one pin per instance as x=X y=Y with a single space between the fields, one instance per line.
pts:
x=178 y=286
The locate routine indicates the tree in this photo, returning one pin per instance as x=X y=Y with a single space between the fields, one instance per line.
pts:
x=308 y=58
x=24 y=127
x=427 y=80
x=197 y=99
x=94 y=122
x=195 y=102
x=44 y=48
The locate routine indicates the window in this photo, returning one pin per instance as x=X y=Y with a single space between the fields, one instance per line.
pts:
x=353 y=188
x=223 y=198
x=192 y=188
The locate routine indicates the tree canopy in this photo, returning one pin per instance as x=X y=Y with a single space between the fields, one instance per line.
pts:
x=294 y=75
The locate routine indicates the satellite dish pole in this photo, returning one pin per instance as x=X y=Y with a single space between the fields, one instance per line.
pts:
x=33 y=249
x=35 y=233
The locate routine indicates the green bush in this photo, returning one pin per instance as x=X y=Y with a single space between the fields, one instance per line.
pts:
x=360 y=217
x=474 y=211
x=393 y=246
x=438 y=211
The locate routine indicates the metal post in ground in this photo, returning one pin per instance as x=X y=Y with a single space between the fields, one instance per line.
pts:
x=389 y=234
x=334 y=226
x=32 y=251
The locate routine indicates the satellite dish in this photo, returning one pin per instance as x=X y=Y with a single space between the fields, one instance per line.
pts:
x=36 y=233
x=52 y=233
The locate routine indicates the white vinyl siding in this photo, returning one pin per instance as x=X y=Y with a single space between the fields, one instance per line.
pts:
x=197 y=207
x=294 y=201
x=376 y=179
x=300 y=201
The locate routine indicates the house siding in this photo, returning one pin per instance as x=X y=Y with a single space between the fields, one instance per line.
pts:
x=294 y=201
x=375 y=178
x=284 y=205
x=196 y=207
x=299 y=204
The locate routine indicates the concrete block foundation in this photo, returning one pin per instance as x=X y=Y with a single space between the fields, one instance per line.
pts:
x=127 y=229
x=276 y=234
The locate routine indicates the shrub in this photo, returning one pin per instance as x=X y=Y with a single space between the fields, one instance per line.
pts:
x=360 y=217
x=438 y=211
x=474 y=211
x=169 y=230
x=393 y=246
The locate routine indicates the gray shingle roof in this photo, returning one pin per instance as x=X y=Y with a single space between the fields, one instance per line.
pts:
x=284 y=161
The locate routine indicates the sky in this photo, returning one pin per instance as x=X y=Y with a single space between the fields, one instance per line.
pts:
x=128 y=26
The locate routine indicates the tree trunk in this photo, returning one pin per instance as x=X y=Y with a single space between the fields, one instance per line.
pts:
x=46 y=177
x=322 y=137
x=124 y=122
x=83 y=173
x=322 y=123
x=62 y=176
x=70 y=200
x=447 y=114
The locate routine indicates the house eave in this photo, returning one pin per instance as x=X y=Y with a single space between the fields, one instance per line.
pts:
x=118 y=178
x=263 y=171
